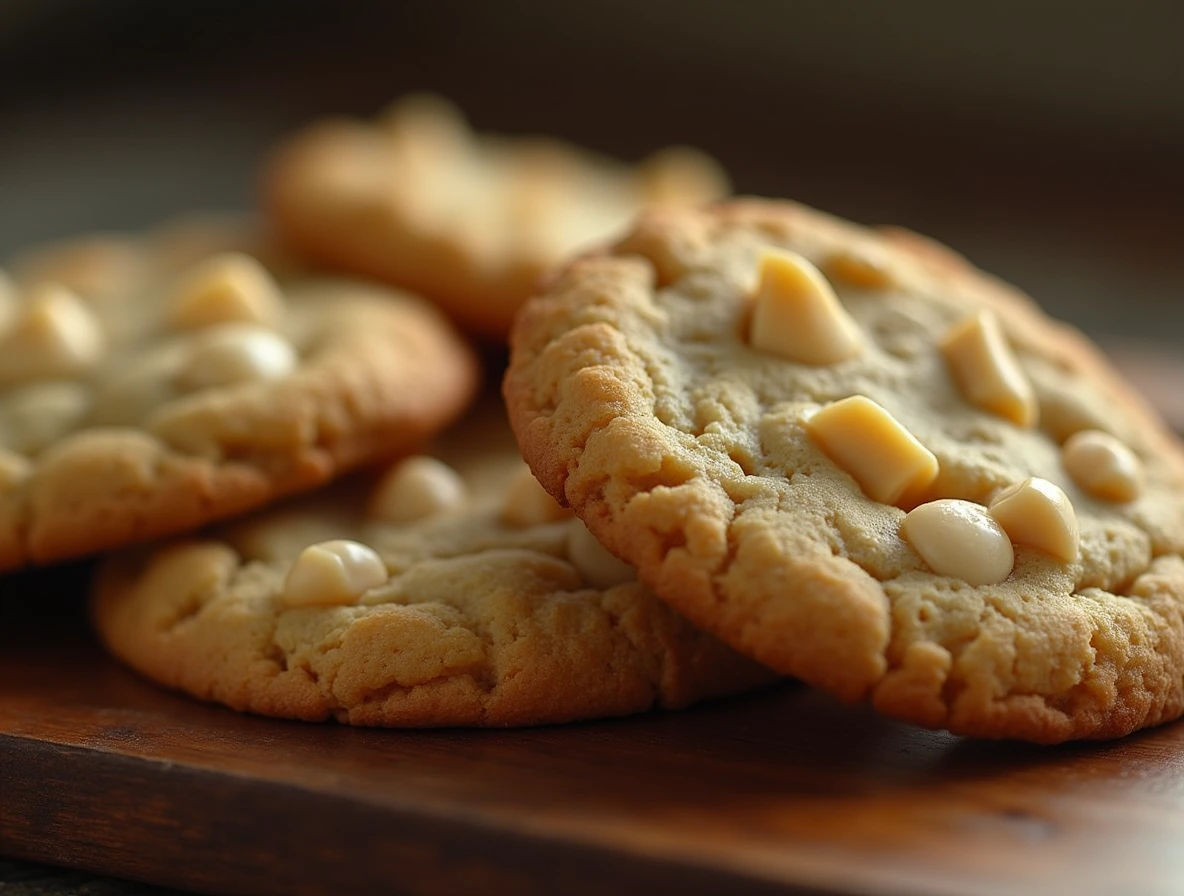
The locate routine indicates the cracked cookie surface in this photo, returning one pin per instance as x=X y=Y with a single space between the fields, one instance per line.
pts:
x=472 y=599
x=645 y=395
x=471 y=221
x=150 y=385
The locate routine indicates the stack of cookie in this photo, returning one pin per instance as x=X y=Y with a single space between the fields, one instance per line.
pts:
x=762 y=442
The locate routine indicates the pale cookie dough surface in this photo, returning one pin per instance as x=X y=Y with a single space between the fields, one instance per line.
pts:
x=638 y=399
x=148 y=386
x=490 y=611
x=472 y=221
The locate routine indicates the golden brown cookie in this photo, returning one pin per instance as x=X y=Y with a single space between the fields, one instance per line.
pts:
x=418 y=200
x=450 y=591
x=142 y=394
x=857 y=459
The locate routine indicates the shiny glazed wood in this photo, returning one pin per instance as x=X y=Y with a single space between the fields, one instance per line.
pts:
x=783 y=791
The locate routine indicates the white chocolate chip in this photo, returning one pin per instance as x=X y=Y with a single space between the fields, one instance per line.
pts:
x=886 y=459
x=527 y=503
x=53 y=335
x=416 y=488
x=863 y=268
x=236 y=353
x=599 y=568
x=987 y=372
x=1038 y=513
x=1103 y=466
x=35 y=416
x=333 y=573
x=960 y=539
x=797 y=315
x=226 y=288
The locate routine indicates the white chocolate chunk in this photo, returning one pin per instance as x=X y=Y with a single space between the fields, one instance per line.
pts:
x=599 y=568
x=987 y=372
x=1037 y=513
x=886 y=459
x=527 y=503
x=415 y=489
x=226 y=288
x=797 y=315
x=35 y=416
x=236 y=353
x=53 y=335
x=960 y=539
x=332 y=573
x=1103 y=466
x=864 y=269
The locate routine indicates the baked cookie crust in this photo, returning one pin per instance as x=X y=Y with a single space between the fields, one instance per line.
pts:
x=639 y=399
x=146 y=392
x=487 y=608
x=416 y=199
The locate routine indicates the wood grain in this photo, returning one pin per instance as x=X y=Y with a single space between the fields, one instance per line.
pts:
x=783 y=792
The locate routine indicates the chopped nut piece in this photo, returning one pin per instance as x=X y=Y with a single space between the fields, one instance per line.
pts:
x=1103 y=466
x=960 y=539
x=599 y=568
x=1038 y=513
x=986 y=370
x=236 y=353
x=797 y=315
x=529 y=504
x=53 y=335
x=862 y=269
x=226 y=288
x=333 y=573
x=416 y=488
x=887 y=461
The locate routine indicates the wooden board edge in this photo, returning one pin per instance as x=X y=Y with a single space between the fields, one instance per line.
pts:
x=195 y=829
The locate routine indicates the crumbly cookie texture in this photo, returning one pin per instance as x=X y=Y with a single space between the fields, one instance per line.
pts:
x=472 y=221
x=370 y=605
x=147 y=388
x=786 y=495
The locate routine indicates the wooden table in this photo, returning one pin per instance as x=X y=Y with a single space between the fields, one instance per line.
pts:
x=785 y=791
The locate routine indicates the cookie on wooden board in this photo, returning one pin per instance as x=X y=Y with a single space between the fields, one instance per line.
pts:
x=452 y=590
x=418 y=200
x=147 y=387
x=859 y=460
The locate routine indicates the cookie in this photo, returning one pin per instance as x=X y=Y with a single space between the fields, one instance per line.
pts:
x=142 y=394
x=451 y=591
x=418 y=200
x=857 y=459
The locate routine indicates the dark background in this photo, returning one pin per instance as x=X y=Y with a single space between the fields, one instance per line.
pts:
x=1044 y=140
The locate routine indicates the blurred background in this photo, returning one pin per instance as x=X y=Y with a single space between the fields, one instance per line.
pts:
x=1043 y=140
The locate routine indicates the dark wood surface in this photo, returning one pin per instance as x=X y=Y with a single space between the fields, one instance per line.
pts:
x=785 y=791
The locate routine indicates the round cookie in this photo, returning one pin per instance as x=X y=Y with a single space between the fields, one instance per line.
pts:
x=418 y=200
x=443 y=594
x=763 y=409
x=142 y=394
